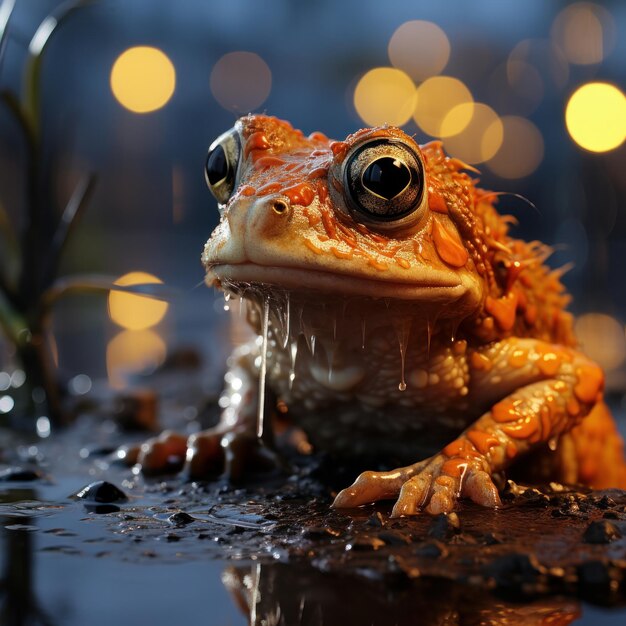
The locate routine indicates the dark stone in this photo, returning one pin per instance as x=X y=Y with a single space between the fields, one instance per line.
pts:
x=601 y=531
x=171 y=538
x=19 y=474
x=513 y=570
x=376 y=520
x=394 y=538
x=491 y=539
x=605 y=502
x=364 y=543
x=180 y=518
x=319 y=532
x=431 y=550
x=102 y=491
x=594 y=573
x=444 y=526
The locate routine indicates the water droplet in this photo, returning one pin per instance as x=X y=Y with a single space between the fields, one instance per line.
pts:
x=287 y=328
x=293 y=353
x=263 y=368
x=363 y=330
x=553 y=443
x=403 y=328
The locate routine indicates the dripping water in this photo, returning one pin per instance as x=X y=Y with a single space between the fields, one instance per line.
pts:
x=226 y=301
x=293 y=353
x=403 y=328
x=308 y=333
x=263 y=369
x=363 y=329
x=429 y=335
x=287 y=329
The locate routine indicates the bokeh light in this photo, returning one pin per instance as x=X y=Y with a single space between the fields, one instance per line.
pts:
x=521 y=150
x=133 y=352
x=585 y=32
x=515 y=88
x=241 y=81
x=436 y=98
x=385 y=95
x=143 y=79
x=132 y=311
x=602 y=339
x=545 y=57
x=419 y=48
x=595 y=117
x=480 y=139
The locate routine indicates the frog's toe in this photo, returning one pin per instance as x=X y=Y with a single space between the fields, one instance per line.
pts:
x=366 y=488
x=373 y=486
x=480 y=488
x=412 y=495
x=205 y=456
x=435 y=491
x=163 y=453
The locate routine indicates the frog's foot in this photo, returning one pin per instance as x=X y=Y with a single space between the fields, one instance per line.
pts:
x=235 y=453
x=156 y=455
x=434 y=486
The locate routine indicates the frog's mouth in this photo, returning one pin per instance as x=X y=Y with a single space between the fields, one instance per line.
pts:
x=436 y=287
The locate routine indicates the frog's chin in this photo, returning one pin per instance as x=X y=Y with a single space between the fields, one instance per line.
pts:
x=236 y=277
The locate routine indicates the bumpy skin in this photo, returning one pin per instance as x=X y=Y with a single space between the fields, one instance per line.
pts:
x=471 y=320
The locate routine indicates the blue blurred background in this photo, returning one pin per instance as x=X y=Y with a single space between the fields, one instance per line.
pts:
x=536 y=103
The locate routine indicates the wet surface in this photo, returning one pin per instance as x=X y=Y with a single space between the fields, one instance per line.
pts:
x=86 y=541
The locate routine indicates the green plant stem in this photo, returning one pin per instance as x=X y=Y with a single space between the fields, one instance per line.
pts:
x=13 y=324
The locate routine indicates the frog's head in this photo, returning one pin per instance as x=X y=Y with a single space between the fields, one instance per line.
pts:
x=375 y=215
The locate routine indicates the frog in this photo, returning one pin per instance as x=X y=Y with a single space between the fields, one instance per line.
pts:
x=396 y=317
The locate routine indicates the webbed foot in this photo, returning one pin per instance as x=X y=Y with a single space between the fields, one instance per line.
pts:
x=434 y=486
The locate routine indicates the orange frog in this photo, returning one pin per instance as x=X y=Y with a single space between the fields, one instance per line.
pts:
x=396 y=317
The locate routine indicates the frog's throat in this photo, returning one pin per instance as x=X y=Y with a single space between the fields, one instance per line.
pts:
x=444 y=288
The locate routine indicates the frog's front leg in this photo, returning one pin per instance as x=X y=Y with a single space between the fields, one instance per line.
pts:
x=536 y=391
x=231 y=445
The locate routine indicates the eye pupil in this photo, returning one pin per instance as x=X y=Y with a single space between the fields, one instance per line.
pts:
x=216 y=165
x=384 y=182
x=386 y=177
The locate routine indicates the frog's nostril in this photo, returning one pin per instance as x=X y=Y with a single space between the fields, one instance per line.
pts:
x=279 y=207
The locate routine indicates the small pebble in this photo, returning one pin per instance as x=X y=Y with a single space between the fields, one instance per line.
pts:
x=319 y=532
x=102 y=491
x=444 y=526
x=601 y=531
x=376 y=520
x=431 y=550
x=19 y=474
x=512 y=570
x=180 y=518
x=394 y=538
x=364 y=543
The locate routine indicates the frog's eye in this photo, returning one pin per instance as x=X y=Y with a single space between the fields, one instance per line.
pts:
x=384 y=180
x=221 y=165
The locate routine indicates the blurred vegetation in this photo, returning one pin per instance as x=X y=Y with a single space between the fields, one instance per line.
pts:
x=30 y=258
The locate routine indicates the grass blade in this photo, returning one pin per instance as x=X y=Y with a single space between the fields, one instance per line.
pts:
x=10 y=253
x=6 y=10
x=85 y=283
x=12 y=323
x=71 y=215
x=36 y=49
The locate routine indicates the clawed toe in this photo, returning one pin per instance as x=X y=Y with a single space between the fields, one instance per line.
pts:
x=433 y=486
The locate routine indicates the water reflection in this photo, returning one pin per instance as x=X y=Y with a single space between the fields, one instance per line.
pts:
x=19 y=605
x=290 y=595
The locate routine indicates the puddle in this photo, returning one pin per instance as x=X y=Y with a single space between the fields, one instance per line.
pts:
x=276 y=554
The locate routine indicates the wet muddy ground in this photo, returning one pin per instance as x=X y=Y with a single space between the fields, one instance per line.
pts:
x=85 y=540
